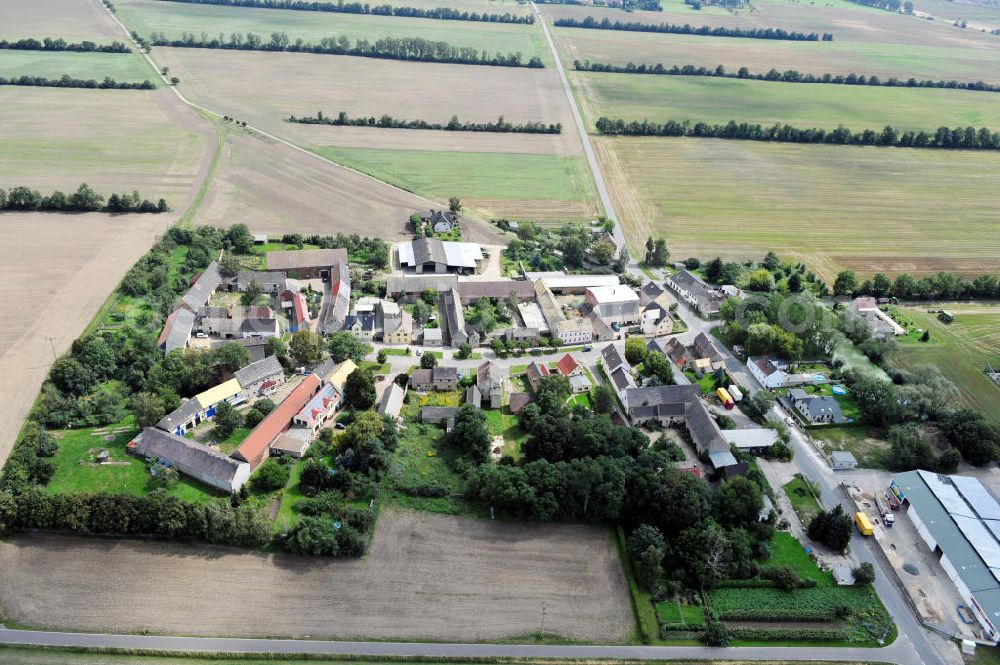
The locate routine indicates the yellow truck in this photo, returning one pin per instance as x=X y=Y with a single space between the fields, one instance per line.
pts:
x=864 y=524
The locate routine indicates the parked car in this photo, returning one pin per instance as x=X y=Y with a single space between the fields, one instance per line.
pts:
x=419 y=353
x=201 y=335
x=588 y=349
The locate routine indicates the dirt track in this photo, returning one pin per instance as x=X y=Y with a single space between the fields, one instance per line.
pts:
x=426 y=577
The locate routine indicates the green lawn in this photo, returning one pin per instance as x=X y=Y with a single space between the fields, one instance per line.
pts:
x=787 y=551
x=719 y=100
x=508 y=426
x=706 y=382
x=421 y=460
x=146 y=16
x=289 y=498
x=847 y=404
x=124 y=67
x=960 y=349
x=232 y=442
x=870 y=451
x=396 y=352
x=803 y=500
x=582 y=399
x=476 y=175
x=76 y=471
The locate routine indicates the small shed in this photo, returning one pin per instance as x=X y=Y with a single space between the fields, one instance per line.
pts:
x=842 y=460
x=260 y=238
x=843 y=575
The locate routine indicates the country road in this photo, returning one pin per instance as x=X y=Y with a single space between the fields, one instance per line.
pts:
x=216 y=645
x=581 y=127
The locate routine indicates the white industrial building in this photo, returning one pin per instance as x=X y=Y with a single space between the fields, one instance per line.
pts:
x=959 y=520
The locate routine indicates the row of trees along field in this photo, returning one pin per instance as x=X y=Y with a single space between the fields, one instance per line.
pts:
x=445 y=13
x=453 y=125
x=787 y=76
x=60 y=44
x=954 y=138
x=688 y=29
x=67 y=81
x=942 y=286
x=390 y=48
x=84 y=199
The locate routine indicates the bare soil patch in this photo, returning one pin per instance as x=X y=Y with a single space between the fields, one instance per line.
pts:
x=410 y=139
x=71 y=20
x=275 y=188
x=55 y=273
x=427 y=576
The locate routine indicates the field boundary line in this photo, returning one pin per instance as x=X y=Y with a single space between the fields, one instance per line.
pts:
x=258 y=130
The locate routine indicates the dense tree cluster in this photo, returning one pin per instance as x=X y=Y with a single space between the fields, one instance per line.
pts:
x=454 y=125
x=942 y=286
x=60 y=44
x=688 y=29
x=156 y=514
x=889 y=5
x=390 y=48
x=833 y=528
x=341 y=7
x=954 y=138
x=84 y=199
x=370 y=252
x=67 y=81
x=787 y=76
x=627 y=5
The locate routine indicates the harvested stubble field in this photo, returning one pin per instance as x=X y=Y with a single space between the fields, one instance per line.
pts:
x=122 y=67
x=960 y=349
x=57 y=18
x=174 y=19
x=867 y=209
x=74 y=261
x=903 y=60
x=719 y=100
x=426 y=577
x=536 y=187
x=275 y=188
x=849 y=23
x=114 y=140
x=265 y=88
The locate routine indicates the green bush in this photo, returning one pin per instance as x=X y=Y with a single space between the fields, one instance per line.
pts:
x=271 y=476
x=819 y=604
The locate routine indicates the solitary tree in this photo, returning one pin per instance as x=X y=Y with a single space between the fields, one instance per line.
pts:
x=455 y=204
x=359 y=390
x=306 y=347
x=428 y=361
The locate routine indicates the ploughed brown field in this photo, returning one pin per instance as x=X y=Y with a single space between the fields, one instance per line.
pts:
x=426 y=576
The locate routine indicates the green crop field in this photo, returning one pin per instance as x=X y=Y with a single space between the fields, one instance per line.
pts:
x=960 y=350
x=834 y=207
x=125 y=67
x=77 y=472
x=524 y=186
x=147 y=16
x=718 y=100
x=803 y=499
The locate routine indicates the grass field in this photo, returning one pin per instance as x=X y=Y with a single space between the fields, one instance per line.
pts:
x=812 y=203
x=718 y=100
x=968 y=62
x=76 y=471
x=115 y=140
x=803 y=500
x=147 y=16
x=870 y=451
x=960 y=350
x=787 y=551
x=124 y=67
x=421 y=459
x=542 y=187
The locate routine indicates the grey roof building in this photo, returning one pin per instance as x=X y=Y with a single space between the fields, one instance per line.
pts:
x=473 y=290
x=454 y=317
x=392 y=401
x=177 y=330
x=407 y=285
x=257 y=372
x=613 y=359
x=959 y=520
x=203 y=288
x=816 y=408
x=191 y=458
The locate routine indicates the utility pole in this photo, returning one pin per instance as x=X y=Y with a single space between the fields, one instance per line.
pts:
x=53 y=347
x=541 y=631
